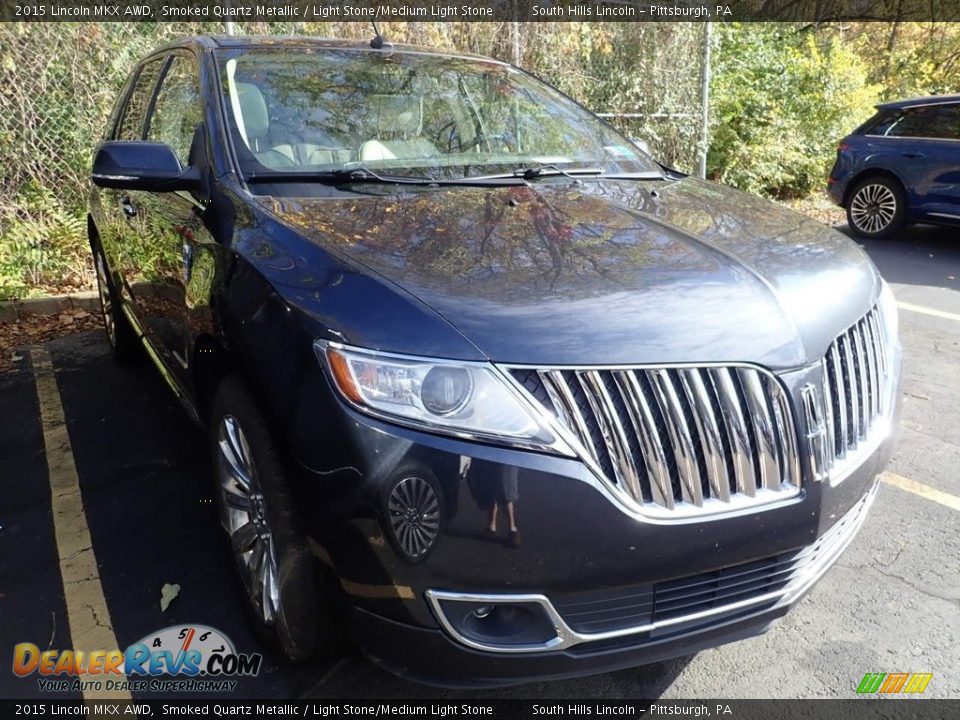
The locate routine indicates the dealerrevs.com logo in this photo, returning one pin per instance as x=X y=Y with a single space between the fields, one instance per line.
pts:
x=191 y=658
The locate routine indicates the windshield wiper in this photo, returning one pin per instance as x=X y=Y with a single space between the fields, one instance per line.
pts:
x=343 y=176
x=537 y=171
x=339 y=176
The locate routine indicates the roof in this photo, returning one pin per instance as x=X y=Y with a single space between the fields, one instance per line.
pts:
x=211 y=42
x=913 y=102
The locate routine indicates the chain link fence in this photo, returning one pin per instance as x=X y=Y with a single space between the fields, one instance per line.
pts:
x=58 y=83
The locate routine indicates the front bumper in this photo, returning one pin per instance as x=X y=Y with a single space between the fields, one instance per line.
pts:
x=432 y=656
x=576 y=542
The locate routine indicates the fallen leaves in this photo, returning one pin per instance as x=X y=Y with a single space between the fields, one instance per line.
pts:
x=820 y=208
x=33 y=329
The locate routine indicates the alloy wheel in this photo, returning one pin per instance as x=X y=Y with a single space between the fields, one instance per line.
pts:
x=873 y=208
x=244 y=516
x=106 y=301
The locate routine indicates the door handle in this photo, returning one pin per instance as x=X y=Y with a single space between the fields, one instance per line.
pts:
x=913 y=155
x=129 y=209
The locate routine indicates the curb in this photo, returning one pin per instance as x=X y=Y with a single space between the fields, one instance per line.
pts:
x=13 y=310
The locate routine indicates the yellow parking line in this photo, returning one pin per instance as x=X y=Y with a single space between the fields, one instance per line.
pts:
x=924 y=491
x=928 y=311
x=90 y=626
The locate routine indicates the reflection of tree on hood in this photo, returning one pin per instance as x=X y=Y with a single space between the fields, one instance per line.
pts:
x=492 y=242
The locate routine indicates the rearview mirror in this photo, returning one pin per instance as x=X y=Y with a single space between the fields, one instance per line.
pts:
x=142 y=165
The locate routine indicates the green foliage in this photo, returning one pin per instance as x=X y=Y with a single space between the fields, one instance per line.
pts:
x=909 y=59
x=42 y=242
x=781 y=102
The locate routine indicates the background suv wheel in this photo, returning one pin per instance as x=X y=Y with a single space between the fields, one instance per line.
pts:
x=876 y=207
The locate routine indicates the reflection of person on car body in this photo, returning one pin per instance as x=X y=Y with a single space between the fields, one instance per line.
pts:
x=502 y=492
x=507 y=492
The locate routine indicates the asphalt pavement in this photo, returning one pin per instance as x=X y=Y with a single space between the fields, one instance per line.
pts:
x=891 y=604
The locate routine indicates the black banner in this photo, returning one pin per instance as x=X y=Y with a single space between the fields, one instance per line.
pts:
x=858 y=709
x=478 y=10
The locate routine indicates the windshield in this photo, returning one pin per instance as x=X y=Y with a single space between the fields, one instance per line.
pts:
x=307 y=110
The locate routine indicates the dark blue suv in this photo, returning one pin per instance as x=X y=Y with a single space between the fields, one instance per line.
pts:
x=482 y=382
x=901 y=166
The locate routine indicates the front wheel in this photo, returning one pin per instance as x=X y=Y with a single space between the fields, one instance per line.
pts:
x=256 y=510
x=120 y=333
x=877 y=208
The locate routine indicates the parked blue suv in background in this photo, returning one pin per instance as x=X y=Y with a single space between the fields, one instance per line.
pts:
x=901 y=166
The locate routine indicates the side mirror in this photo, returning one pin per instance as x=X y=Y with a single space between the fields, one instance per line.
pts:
x=142 y=165
x=642 y=144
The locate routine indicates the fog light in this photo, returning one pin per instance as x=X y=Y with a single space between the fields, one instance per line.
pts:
x=505 y=623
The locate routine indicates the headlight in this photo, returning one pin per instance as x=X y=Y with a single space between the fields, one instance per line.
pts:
x=888 y=311
x=466 y=399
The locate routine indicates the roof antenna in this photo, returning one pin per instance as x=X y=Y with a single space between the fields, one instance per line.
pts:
x=379 y=41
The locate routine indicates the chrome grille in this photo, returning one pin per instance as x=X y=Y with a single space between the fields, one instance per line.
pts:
x=677 y=440
x=857 y=379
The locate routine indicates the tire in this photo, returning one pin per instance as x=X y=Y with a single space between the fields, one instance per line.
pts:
x=876 y=207
x=257 y=511
x=124 y=343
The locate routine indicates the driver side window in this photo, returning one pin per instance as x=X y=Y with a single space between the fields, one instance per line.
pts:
x=177 y=109
x=130 y=126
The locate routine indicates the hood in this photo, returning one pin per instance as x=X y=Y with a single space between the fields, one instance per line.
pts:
x=606 y=272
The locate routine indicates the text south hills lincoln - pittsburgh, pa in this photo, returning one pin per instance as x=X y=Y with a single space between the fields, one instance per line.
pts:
x=639 y=11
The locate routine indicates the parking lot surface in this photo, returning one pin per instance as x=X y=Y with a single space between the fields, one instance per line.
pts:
x=891 y=604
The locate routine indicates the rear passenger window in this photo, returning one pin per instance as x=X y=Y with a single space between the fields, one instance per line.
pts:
x=131 y=123
x=880 y=123
x=910 y=123
x=944 y=122
x=931 y=121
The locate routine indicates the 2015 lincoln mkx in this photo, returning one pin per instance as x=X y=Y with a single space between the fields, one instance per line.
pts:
x=479 y=373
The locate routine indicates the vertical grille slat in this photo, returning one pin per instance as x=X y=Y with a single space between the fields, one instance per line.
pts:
x=853 y=395
x=827 y=395
x=614 y=434
x=740 y=444
x=709 y=432
x=786 y=439
x=767 y=452
x=880 y=338
x=872 y=369
x=678 y=440
x=563 y=399
x=839 y=400
x=860 y=360
x=654 y=455
x=681 y=439
x=855 y=387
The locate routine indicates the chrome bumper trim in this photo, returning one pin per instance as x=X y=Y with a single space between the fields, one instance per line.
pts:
x=828 y=547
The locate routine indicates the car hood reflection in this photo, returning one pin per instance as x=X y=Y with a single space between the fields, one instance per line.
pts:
x=606 y=272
